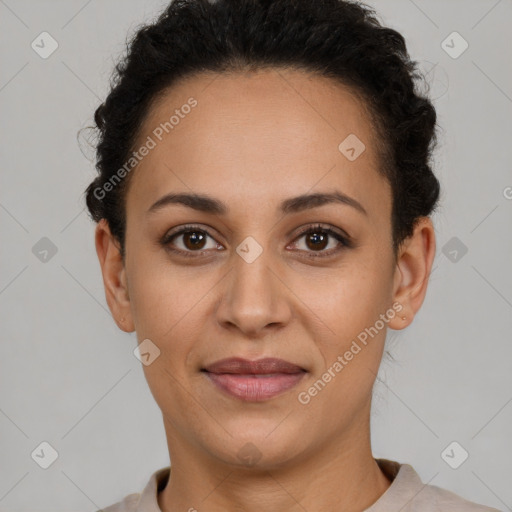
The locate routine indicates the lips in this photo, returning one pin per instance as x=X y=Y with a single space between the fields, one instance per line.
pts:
x=238 y=365
x=254 y=381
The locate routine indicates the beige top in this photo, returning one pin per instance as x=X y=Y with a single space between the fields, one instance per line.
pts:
x=406 y=493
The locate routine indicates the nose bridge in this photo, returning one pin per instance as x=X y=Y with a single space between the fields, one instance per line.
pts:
x=251 y=275
x=253 y=296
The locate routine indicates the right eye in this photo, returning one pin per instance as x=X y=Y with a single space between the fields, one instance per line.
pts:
x=193 y=241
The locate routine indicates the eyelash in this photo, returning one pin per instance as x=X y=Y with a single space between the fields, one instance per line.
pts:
x=345 y=242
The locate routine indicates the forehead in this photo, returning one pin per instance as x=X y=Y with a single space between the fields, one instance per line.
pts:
x=262 y=135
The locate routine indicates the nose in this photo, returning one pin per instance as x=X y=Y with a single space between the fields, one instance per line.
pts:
x=254 y=297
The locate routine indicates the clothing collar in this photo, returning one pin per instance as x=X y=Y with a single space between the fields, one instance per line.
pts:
x=405 y=485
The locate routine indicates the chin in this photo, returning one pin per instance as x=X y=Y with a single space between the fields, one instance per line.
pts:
x=265 y=447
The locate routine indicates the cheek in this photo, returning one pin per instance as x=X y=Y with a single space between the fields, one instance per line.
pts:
x=350 y=304
x=166 y=303
x=349 y=298
x=162 y=296
x=351 y=349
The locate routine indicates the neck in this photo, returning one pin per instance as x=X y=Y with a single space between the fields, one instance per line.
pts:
x=342 y=476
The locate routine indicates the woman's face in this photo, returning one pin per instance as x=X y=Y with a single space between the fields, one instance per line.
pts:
x=246 y=281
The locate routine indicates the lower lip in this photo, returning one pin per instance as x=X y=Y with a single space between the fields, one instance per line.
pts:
x=255 y=388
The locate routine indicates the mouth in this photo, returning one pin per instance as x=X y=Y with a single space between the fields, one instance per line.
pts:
x=254 y=381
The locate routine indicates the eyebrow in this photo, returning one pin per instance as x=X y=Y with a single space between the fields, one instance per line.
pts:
x=205 y=203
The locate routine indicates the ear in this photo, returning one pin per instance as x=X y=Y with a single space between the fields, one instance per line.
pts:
x=414 y=263
x=114 y=276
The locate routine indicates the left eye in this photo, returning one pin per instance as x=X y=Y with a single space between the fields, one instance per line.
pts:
x=193 y=240
x=316 y=240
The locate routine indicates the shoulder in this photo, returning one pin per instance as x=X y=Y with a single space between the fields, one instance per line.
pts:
x=432 y=497
x=145 y=501
x=408 y=493
x=128 y=504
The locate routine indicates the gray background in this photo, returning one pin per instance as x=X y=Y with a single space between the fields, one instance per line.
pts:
x=68 y=375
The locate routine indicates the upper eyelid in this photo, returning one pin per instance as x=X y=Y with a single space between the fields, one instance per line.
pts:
x=302 y=231
x=181 y=230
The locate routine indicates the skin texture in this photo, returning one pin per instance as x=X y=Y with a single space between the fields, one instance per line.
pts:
x=252 y=141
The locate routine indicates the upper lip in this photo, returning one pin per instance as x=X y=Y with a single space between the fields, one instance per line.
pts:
x=266 y=365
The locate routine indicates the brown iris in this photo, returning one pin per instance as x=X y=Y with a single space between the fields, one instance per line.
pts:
x=193 y=239
x=319 y=240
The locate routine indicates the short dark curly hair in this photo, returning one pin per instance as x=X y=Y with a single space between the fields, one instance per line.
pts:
x=339 y=39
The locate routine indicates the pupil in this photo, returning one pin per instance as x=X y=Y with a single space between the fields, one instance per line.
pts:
x=195 y=238
x=316 y=238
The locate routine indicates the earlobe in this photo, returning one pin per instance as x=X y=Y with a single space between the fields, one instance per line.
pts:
x=412 y=272
x=114 y=276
